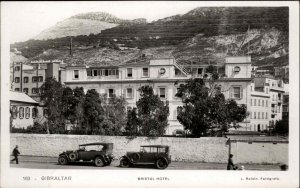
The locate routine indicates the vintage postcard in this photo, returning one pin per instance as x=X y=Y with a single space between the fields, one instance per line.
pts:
x=150 y=94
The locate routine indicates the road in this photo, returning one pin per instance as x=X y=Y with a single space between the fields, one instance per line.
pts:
x=51 y=163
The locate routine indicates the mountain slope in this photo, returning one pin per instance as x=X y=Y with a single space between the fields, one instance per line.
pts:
x=74 y=27
x=85 y=24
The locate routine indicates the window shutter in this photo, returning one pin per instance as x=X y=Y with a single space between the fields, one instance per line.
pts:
x=133 y=91
x=231 y=92
x=241 y=92
x=124 y=94
x=166 y=93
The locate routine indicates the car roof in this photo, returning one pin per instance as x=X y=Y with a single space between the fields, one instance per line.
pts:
x=160 y=146
x=97 y=143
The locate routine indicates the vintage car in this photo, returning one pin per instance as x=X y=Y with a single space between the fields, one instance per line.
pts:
x=157 y=155
x=98 y=153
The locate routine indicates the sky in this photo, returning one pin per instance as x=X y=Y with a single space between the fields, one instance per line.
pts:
x=28 y=19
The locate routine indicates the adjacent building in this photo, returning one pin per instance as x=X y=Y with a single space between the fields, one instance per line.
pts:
x=24 y=110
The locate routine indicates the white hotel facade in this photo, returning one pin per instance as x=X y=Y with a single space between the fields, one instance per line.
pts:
x=165 y=76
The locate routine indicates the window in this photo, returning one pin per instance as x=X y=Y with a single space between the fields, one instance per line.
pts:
x=25 y=90
x=14 y=112
x=200 y=70
x=162 y=71
x=262 y=115
x=251 y=102
x=254 y=115
x=176 y=91
x=35 y=90
x=112 y=72
x=237 y=69
x=145 y=72
x=106 y=72
x=45 y=112
x=129 y=72
x=263 y=102
x=258 y=115
x=110 y=93
x=236 y=92
x=95 y=72
x=40 y=78
x=17 y=68
x=162 y=92
x=26 y=79
x=27 y=112
x=89 y=72
x=34 y=79
x=258 y=100
x=17 y=79
x=266 y=103
x=17 y=89
x=76 y=74
x=266 y=115
x=129 y=93
x=267 y=90
x=34 y=113
x=254 y=102
x=21 y=113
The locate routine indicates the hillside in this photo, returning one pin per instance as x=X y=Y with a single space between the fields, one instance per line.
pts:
x=203 y=35
x=85 y=24
x=74 y=27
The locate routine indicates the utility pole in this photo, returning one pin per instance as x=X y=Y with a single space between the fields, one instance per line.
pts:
x=21 y=78
x=71 y=53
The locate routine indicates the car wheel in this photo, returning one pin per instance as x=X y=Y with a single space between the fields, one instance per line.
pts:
x=161 y=164
x=124 y=163
x=72 y=156
x=99 y=162
x=62 y=160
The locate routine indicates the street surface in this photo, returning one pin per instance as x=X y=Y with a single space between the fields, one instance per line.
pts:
x=51 y=163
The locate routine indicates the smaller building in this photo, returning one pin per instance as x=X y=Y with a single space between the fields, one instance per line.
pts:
x=24 y=110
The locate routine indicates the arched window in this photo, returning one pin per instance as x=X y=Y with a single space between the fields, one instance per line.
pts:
x=34 y=113
x=14 y=112
x=21 y=112
x=27 y=112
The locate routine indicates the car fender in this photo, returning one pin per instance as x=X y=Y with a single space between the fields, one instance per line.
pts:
x=124 y=157
x=65 y=155
x=164 y=158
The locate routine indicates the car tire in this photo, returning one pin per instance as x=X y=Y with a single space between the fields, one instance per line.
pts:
x=161 y=164
x=72 y=156
x=99 y=162
x=62 y=160
x=124 y=163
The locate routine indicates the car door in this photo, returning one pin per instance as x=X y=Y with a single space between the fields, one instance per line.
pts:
x=149 y=156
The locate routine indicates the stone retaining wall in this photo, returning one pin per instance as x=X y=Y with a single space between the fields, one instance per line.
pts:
x=181 y=149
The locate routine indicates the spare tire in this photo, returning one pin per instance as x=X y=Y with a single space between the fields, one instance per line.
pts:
x=135 y=157
x=73 y=156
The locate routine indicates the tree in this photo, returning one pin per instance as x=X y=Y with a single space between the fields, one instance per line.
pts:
x=133 y=122
x=93 y=113
x=114 y=115
x=282 y=127
x=205 y=110
x=152 y=113
x=78 y=107
x=52 y=98
x=68 y=102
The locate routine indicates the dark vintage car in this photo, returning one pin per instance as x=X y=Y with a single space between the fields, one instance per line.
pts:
x=98 y=153
x=157 y=155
